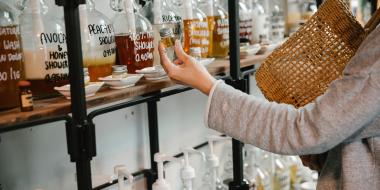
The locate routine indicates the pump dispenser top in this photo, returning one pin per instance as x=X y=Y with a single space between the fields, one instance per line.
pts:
x=187 y=171
x=212 y=158
x=211 y=179
x=121 y=172
x=161 y=183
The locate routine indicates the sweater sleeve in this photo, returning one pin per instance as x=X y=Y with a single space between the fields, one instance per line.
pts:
x=348 y=106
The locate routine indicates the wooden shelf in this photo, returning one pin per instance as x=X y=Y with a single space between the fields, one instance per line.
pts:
x=60 y=106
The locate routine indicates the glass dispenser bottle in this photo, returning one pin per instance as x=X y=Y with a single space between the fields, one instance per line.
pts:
x=98 y=41
x=134 y=37
x=245 y=22
x=281 y=177
x=277 y=20
x=196 y=32
x=44 y=48
x=259 y=23
x=163 y=17
x=256 y=175
x=217 y=19
x=10 y=58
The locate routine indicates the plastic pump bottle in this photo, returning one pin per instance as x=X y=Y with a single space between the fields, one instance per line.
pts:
x=187 y=171
x=211 y=179
x=121 y=172
x=161 y=183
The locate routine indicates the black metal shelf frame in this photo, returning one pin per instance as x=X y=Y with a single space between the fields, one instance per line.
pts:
x=80 y=128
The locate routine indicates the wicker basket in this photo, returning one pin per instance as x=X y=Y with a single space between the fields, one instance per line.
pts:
x=306 y=64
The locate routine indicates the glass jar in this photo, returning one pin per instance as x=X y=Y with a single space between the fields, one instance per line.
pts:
x=10 y=58
x=281 y=178
x=277 y=20
x=162 y=16
x=196 y=32
x=245 y=22
x=259 y=23
x=217 y=19
x=196 y=52
x=168 y=40
x=134 y=37
x=44 y=48
x=98 y=41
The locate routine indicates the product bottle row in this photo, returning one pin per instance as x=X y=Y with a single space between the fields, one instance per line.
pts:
x=33 y=45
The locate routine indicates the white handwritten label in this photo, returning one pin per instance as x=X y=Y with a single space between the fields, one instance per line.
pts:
x=10 y=54
x=49 y=63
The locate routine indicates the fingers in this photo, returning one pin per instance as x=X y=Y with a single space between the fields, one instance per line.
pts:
x=166 y=63
x=179 y=51
x=168 y=66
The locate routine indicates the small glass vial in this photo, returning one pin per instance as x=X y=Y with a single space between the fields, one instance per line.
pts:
x=196 y=52
x=168 y=40
x=26 y=96
x=119 y=71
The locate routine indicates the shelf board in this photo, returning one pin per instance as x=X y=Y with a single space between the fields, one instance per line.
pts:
x=60 y=106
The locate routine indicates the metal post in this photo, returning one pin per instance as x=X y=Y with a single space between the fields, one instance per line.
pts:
x=237 y=154
x=373 y=6
x=319 y=2
x=248 y=86
x=153 y=141
x=80 y=134
x=233 y=12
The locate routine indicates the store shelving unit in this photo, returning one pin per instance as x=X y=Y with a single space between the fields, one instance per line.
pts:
x=80 y=129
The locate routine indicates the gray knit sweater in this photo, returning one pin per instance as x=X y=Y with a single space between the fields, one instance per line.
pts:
x=345 y=121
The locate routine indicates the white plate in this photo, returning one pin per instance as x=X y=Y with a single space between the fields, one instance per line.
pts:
x=156 y=78
x=90 y=89
x=246 y=51
x=206 y=61
x=121 y=83
x=152 y=72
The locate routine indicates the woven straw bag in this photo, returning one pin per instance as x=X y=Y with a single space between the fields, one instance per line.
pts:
x=306 y=64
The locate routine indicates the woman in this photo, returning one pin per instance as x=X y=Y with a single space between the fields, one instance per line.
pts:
x=344 y=122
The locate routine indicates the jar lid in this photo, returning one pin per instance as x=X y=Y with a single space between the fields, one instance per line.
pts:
x=166 y=32
x=119 y=68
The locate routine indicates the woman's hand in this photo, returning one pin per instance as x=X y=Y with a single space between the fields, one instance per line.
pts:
x=186 y=70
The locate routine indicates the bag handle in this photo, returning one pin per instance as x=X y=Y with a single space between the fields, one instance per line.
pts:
x=373 y=22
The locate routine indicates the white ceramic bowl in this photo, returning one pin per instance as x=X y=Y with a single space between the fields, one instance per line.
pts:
x=152 y=72
x=249 y=50
x=121 y=83
x=90 y=89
